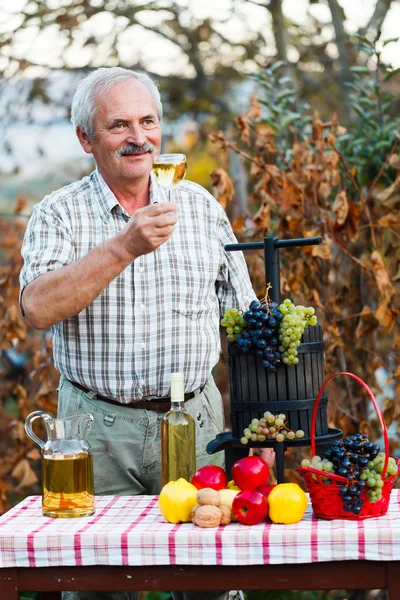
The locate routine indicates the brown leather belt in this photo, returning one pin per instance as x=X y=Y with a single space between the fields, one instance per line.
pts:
x=161 y=405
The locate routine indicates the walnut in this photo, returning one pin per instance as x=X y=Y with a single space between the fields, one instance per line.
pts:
x=208 y=496
x=208 y=516
x=193 y=512
x=226 y=514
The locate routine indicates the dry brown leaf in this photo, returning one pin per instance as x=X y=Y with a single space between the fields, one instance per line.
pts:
x=323 y=250
x=324 y=191
x=381 y=276
x=17 y=431
x=244 y=128
x=390 y=410
x=364 y=428
x=224 y=190
x=386 y=316
x=390 y=197
x=390 y=220
x=20 y=393
x=367 y=323
x=263 y=217
x=290 y=195
x=24 y=474
x=239 y=223
x=317 y=127
x=396 y=340
x=353 y=221
x=3 y=497
x=341 y=207
x=34 y=454
x=20 y=204
x=394 y=162
x=316 y=299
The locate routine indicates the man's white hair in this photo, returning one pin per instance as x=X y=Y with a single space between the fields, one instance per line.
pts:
x=83 y=109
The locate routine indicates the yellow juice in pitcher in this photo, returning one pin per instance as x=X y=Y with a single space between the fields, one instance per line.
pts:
x=68 y=487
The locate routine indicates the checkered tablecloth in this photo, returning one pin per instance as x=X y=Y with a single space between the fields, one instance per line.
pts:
x=131 y=531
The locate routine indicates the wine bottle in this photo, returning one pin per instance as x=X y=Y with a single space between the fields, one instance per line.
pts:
x=178 y=436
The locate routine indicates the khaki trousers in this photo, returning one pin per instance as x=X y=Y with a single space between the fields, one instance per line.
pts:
x=126 y=444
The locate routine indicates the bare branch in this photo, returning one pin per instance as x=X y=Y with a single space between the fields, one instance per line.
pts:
x=381 y=9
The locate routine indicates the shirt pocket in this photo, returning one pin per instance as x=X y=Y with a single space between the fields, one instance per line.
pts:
x=193 y=286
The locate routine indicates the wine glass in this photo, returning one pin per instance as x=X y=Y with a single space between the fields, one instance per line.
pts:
x=170 y=169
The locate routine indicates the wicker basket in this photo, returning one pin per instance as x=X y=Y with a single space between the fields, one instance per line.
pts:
x=325 y=496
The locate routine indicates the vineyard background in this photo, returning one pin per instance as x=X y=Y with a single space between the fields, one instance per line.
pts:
x=316 y=152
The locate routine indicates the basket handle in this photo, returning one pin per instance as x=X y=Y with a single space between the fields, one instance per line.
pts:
x=374 y=402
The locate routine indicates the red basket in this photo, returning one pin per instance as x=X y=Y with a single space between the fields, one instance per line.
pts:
x=325 y=497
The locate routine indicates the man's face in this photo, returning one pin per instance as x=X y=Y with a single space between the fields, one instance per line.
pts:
x=126 y=130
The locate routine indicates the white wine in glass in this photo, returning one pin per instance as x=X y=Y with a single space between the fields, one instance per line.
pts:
x=170 y=169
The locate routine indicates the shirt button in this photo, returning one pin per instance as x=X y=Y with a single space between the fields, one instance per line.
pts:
x=142 y=306
x=141 y=269
x=143 y=345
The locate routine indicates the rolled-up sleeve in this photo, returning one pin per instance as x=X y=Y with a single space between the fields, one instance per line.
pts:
x=47 y=246
x=234 y=288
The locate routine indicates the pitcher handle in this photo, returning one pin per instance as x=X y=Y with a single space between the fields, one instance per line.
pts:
x=28 y=421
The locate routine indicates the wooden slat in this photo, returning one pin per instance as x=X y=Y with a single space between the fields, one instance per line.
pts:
x=281 y=378
x=293 y=416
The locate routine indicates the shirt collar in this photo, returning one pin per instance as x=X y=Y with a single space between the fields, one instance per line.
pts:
x=108 y=201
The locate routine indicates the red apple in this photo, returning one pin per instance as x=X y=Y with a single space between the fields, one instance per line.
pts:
x=265 y=490
x=250 y=507
x=210 y=476
x=250 y=472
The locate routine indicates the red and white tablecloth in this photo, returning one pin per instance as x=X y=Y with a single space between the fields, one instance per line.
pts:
x=131 y=531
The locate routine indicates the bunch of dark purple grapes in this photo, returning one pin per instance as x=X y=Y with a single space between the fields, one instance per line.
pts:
x=351 y=458
x=262 y=332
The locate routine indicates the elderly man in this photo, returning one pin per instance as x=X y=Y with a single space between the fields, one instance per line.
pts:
x=132 y=290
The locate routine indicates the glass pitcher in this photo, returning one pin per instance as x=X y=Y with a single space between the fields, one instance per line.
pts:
x=67 y=465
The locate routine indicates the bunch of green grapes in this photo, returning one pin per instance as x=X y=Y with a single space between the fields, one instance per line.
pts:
x=269 y=427
x=372 y=475
x=295 y=320
x=321 y=464
x=234 y=322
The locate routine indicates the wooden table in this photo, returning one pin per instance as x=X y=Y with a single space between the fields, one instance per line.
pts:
x=350 y=575
x=127 y=545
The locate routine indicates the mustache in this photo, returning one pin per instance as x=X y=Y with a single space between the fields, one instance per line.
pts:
x=129 y=149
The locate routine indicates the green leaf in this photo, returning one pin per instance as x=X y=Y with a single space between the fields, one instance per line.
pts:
x=372 y=124
x=360 y=69
x=362 y=39
x=386 y=105
x=276 y=109
x=390 y=74
x=271 y=123
x=277 y=65
x=390 y=40
x=289 y=119
x=382 y=145
x=368 y=102
x=285 y=94
x=391 y=128
x=285 y=80
x=359 y=110
x=264 y=102
x=367 y=49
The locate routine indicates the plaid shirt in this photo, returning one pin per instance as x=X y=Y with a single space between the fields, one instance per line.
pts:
x=161 y=313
